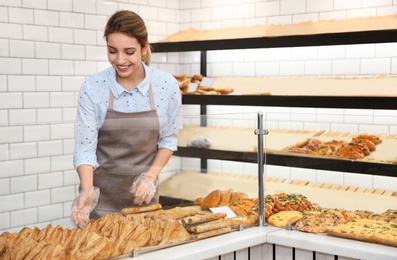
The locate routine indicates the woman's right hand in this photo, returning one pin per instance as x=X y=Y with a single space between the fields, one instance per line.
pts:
x=83 y=204
x=144 y=188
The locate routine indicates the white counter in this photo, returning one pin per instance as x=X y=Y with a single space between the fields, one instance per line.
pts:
x=331 y=245
x=268 y=235
x=210 y=247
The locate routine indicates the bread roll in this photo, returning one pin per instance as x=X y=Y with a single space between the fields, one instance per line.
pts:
x=198 y=201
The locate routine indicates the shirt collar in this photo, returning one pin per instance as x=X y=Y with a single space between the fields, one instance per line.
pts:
x=118 y=90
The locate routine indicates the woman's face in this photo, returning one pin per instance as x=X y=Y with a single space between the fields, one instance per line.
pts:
x=125 y=54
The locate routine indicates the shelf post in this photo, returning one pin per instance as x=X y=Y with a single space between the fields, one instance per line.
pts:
x=260 y=132
x=203 y=108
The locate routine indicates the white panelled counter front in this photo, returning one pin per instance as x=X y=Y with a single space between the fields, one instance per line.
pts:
x=268 y=242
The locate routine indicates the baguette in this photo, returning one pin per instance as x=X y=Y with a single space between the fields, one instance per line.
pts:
x=141 y=209
x=212 y=233
x=147 y=214
x=174 y=213
x=202 y=218
x=208 y=226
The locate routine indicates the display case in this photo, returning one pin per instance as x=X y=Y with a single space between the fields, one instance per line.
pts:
x=257 y=243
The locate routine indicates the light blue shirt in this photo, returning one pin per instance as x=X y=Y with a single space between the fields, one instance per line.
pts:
x=93 y=102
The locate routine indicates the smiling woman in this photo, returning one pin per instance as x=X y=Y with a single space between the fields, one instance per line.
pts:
x=127 y=124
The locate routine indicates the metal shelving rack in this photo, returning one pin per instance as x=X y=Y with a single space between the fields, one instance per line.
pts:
x=359 y=37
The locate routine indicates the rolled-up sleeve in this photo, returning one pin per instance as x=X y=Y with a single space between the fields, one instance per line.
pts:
x=86 y=130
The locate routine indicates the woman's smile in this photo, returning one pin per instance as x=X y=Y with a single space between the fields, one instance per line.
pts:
x=123 y=68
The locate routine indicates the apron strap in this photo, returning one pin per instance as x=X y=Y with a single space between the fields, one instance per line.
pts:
x=111 y=100
x=152 y=105
x=151 y=98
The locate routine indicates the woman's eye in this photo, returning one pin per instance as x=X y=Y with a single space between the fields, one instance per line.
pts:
x=112 y=52
x=130 y=53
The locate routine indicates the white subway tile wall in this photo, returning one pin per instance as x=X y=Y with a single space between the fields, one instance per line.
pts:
x=48 y=48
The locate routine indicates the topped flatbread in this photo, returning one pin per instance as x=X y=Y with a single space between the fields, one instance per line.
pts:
x=283 y=218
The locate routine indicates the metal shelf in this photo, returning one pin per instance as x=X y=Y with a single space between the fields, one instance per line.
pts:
x=329 y=164
x=294 y=101
x=359 y=37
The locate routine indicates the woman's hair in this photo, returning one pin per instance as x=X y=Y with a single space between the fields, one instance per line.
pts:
x=131 y=24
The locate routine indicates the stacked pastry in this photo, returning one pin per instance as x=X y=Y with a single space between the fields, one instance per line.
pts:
x=55 y=243
x=113 y=235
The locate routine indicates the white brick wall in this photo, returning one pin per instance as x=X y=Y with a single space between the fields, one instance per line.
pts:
x=48 y=48
x=19 y=83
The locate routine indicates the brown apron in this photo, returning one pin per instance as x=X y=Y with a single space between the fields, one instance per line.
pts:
x=127 y=145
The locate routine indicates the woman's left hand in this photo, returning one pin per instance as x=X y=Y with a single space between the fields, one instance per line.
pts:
x=143 y=188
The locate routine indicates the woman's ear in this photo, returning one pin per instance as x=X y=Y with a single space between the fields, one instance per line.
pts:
x=145 y=49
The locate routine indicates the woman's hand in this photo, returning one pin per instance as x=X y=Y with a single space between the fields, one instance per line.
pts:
x=83 y=204
x=144 y=188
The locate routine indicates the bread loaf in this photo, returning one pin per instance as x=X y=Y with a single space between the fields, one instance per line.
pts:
x=211 y=200
x=219 y=198
x=225 y=197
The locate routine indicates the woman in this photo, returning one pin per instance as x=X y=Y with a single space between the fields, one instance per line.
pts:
x=127 y=125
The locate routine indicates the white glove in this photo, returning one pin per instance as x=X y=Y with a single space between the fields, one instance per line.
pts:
x=143 y=188
x=83 y=204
